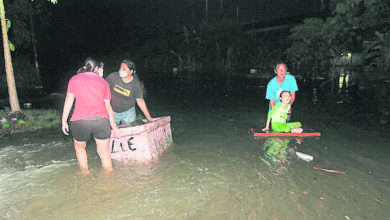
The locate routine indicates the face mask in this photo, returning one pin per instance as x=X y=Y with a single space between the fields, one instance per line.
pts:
x=122 y=73
x=101 y=74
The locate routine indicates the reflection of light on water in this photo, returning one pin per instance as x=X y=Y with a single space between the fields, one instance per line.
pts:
x=344 y=77
x=341 y=80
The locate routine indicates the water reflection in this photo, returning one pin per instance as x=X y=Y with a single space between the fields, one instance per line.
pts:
x=278 y=154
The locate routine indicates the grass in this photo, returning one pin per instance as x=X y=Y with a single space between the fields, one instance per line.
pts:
x=32 y=120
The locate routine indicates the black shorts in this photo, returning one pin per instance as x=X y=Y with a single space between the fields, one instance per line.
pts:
x=82 y=130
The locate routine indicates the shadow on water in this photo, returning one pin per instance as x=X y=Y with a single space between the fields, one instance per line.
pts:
x=215 y=169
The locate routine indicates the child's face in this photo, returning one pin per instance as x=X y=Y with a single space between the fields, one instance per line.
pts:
x=285 y=98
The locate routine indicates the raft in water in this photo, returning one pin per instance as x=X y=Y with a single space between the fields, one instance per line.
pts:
x=142 y=143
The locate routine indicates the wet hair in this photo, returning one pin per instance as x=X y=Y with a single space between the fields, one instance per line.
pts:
x=284 y=91
x=89 y=66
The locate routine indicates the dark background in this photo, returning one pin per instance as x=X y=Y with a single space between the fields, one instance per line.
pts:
x=113 y=30
x=154 y=33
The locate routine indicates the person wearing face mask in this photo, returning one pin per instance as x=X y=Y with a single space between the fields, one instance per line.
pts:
x=126 y=90
x=92 y=116
x=99 y=69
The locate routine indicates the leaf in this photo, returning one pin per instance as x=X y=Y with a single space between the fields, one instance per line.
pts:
x=8 y=22
x=11 y=46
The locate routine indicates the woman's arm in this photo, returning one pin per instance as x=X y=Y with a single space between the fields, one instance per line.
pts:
x=65 y=113
x=142 y=105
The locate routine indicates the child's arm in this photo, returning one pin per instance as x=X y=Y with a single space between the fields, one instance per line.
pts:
x=269 y=116
x=267 y=125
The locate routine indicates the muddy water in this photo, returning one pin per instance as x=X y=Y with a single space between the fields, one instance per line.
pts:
x=215 y=170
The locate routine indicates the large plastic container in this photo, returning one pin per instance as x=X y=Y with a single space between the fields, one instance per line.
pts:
x=142 y=143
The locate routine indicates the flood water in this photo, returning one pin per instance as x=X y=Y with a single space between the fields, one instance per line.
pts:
x=214 y=170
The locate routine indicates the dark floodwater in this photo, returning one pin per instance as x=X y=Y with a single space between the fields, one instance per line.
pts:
x=215 y=169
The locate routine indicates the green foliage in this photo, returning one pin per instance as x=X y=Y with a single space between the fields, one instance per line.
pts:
x=308 y=42
x=11 y=46
x=20 y=12
x=41 y=118
x=377 y=54
x=352 y=22
x=34 y=119
x=211 y=47
x=8 y=23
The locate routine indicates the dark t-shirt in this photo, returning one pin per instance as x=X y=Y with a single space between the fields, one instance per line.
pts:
x=124 y=95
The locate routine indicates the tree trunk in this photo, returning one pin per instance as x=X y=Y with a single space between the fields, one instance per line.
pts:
x=13 y=95
x=34 y=46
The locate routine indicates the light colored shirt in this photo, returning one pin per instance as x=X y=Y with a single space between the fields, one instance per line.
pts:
x=274 y=88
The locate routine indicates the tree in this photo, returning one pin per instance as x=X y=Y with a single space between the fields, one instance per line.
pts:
x=13 y=96
x=308 y=43
x=343 y=31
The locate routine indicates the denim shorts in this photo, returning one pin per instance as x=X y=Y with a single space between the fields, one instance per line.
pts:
x=125 y=117
x=83 y=129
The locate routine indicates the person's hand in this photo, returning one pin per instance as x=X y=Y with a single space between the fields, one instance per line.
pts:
x=116 y=133
x=65 y=128
x=265 y=129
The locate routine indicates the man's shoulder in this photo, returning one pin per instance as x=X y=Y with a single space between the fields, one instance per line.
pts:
x=290 y=77
x=272 y=81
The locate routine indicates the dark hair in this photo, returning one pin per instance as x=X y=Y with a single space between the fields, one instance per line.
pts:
x=280 y=95
x=89 y=66
x=280 y=63
x=100 y=64
x=130 y=64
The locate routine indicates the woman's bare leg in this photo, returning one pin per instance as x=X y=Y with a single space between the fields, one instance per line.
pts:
x=81 y=154
x=103 y=150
